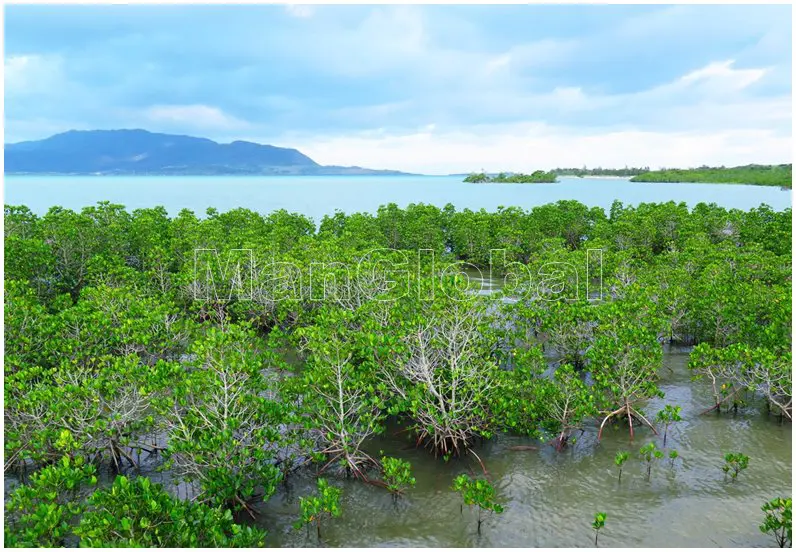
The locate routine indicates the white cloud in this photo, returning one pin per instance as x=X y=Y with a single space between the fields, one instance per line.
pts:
x=300 y=10
x=703 y=117
x=389 y=38
x=723 y=73
x=196 y=116
x=712 y=98
x=32 y=74
x=531 y=146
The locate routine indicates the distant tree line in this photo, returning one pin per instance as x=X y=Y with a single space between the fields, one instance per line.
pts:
x=535 y=177
x=599 y=171
x=760 y=175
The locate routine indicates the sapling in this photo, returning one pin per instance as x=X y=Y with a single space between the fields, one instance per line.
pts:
x=668 y=416
x=649 y=453
x=619 y=460
x=779 y=520
x=735 y=463
x=324 y=503
x=673 y=455
x=598 y=523
x=397 y=475
x=477 y=492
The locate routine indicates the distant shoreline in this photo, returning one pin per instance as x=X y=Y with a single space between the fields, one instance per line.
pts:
x=753 y=175
x=215 y=175
x=591 y=177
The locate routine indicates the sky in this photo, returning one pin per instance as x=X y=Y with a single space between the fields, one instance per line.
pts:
x=430 y=89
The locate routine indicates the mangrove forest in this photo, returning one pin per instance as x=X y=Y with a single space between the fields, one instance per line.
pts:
x=196 y=379
x=759 y=175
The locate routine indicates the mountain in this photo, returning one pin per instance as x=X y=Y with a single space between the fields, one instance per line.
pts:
x=129 y=152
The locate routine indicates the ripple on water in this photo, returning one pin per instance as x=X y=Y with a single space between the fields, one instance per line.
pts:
x=551 y=497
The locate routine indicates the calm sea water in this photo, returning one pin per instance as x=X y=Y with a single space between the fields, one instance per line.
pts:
x=318 y=196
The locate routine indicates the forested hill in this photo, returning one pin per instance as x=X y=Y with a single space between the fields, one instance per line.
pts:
x=761 y=175
x=143 y=152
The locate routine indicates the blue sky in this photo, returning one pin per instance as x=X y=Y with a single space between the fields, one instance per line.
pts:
x=433 y=89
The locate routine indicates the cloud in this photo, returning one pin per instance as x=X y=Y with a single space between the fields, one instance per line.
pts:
x=196 y=116
x=723 y=73
x=31 y=74
x=300 y=10
x=531 y=146
x=395 y=78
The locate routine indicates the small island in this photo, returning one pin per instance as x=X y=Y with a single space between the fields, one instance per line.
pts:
x=759 y=175
x=536 y=177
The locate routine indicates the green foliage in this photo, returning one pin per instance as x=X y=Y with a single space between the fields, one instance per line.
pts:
x=673 y=455
x=620 y=459
x=118 y=345
x=761 y=175
x=442 y=369
x=599 y=171
x=625 y=357
x=738 y=367
x=137 y=513
x=477 y=492
x=325 y=504
x=43 y=512
x=598 y=523
x=779 y=520
x=222 y=425
x=535 y=177
x=735 y=463
x=567 y=400
x=104 y=410
x=668 y=416
x=397 y=474
x=478 y=178
x=341 y=401
x=649 y=453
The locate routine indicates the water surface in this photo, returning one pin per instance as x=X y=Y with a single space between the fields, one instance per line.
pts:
x=551 y=497
x=321 y=195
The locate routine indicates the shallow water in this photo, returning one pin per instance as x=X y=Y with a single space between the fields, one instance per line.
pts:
x=551 y=497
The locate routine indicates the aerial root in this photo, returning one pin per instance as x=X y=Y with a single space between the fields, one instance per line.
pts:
x=630 y=412
x=483 y=467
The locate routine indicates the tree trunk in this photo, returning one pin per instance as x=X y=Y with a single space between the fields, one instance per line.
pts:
x=629 y=419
